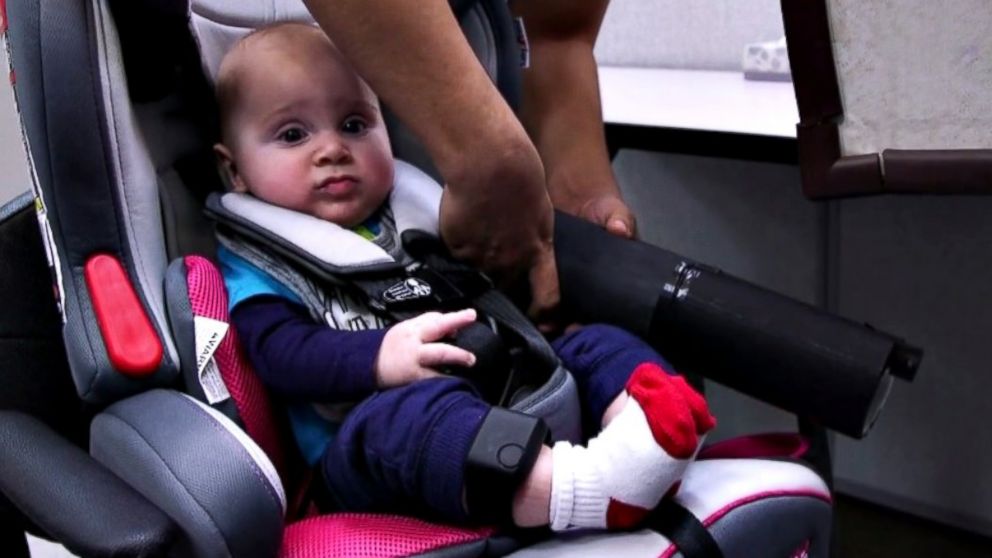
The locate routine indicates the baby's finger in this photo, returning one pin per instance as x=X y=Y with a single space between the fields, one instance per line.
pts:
x=432 y=355
x=443 y=325
x=424 y=373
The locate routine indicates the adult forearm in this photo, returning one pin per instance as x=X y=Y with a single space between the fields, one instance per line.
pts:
x=415 y=57
x=561 y=102
x=561 y=111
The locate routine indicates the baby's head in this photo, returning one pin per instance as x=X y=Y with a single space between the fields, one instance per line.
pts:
x=299 y=128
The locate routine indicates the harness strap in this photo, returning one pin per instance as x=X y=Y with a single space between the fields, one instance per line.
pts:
x=684 y=529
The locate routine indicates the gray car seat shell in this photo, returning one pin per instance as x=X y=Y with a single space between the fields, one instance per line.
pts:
x=85 y=89
x=752 y=507
x=199 y=467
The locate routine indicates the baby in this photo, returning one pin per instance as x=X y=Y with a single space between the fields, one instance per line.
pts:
x=301 y=131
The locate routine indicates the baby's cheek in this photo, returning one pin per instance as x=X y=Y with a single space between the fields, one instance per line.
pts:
x=380 y=184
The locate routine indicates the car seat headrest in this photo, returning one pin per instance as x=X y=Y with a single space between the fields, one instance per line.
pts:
x=218 y=24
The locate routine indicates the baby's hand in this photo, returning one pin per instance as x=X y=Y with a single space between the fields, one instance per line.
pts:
x=410 y=352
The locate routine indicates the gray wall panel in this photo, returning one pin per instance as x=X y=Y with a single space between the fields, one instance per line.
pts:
x=922 y=267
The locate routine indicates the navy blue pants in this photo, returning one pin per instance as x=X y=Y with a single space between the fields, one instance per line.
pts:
x=403 y=450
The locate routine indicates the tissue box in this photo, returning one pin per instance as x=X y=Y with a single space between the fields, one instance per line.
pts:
x=768 y=61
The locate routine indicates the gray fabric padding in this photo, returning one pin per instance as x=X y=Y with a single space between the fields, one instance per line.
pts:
x=139 y=211
x=557 y=402
x=214 y=40
x=176 y=454
x=186 y=229
x=217 y=24
x=178 y=135
x=480 y=37
x=251 y=13
x=775 y=526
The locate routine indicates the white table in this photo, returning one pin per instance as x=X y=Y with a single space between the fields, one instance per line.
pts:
x=697 y=100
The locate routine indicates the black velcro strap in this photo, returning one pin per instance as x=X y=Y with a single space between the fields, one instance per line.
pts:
x=684 y=529
x=501 y=457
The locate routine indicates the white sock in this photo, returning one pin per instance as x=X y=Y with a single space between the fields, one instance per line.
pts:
x=616 y=480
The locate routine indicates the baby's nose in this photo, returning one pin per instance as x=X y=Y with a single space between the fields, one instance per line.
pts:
x=332 y=150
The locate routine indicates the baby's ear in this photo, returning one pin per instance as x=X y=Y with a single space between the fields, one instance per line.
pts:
x=233 y=179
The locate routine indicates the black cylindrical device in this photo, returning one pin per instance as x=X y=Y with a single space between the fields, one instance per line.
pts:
x=788 y=353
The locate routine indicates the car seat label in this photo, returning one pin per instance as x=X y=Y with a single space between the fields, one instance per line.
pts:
x=209 y=334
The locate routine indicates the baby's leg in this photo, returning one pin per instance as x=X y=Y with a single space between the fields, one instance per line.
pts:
x=653 y=425
x=403 y=450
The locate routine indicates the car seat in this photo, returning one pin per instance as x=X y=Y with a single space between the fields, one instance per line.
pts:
x=185 y=452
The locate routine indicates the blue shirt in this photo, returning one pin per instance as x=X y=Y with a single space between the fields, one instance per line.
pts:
x=302 y=361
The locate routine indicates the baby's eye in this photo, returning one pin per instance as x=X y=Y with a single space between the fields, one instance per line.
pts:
x=354 y=125
x=292 y=135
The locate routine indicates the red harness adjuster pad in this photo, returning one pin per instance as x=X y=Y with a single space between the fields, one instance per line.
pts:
x=132 y=344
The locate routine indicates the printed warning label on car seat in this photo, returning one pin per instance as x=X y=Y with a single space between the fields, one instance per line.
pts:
x=209 y=334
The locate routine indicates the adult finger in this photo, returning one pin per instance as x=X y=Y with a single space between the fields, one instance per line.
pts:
x=545 y=293
x=611 y=213
x=432 y=355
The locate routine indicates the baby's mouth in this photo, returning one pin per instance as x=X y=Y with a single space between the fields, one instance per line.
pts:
x=338 y=185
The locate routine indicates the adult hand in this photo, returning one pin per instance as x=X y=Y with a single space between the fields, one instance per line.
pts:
x=500 y=217
x=410 y=350
x=606 y=209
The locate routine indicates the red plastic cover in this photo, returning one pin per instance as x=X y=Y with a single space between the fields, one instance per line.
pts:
x=132 y=344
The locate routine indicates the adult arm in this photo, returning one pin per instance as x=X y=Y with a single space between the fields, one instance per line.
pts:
x=562 y=112
x=303 y=360
x=495 y=210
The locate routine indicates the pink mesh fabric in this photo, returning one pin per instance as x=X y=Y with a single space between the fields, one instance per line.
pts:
x=208 y=298
x=370 y=536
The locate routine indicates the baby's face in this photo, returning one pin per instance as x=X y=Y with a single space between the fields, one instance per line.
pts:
x=308 y=133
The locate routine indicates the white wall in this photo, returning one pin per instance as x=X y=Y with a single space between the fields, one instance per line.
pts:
x=698 y=34
x=14 y=177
